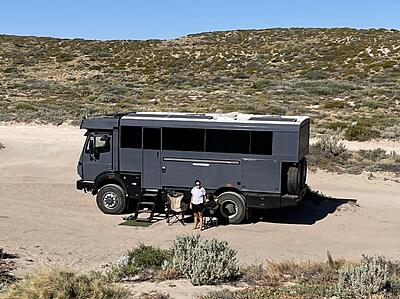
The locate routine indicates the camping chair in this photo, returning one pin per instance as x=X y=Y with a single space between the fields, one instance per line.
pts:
x=210 y=218
x=175 y=207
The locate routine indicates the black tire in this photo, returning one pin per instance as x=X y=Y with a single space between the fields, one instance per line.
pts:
x=303 y=173
x=296 y=178
x=232 y=207
x=111 y=199
x=293 y=180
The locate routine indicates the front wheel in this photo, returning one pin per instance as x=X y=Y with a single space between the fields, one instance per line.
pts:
x=232 y=207
x=111 y=199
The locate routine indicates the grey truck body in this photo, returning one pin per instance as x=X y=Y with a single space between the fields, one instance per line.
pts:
x=246 y=153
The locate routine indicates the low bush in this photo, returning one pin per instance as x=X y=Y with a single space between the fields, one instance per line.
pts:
x=144 y=259
x=371 y=276
x=361 y=132
x=2 y=146
x=335 y=104
x=328 y=152
x=373 y=155
x=6 y=266
x=64 y=284
x=204 y=261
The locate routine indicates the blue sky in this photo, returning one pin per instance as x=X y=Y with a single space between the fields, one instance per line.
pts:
x=173 y=18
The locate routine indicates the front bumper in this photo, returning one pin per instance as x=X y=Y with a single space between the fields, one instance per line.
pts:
x=84 y=185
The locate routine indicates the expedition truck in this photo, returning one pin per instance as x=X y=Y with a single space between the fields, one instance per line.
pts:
x=244 y=161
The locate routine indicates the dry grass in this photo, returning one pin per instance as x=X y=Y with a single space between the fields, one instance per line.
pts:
x=63 y=284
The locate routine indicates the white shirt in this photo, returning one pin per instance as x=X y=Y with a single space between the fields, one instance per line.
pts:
x=198 y=195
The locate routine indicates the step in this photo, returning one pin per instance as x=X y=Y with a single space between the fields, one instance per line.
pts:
x=146 y=203
x=143 y=211
x=150 y=194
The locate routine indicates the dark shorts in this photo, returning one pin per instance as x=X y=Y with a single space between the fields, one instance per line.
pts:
x=198 y=208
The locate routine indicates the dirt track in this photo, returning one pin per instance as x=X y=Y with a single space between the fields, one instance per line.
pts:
x=44 y=219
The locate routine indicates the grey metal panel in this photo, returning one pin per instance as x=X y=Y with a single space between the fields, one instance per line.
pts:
x=188 y=166
x=304 y=140
x=99 y=123
x=285 y=144
x=130 y=159
x=151 y=169
x=115 y=147
x=209 y=124
x=93 y=167
x=261 y=175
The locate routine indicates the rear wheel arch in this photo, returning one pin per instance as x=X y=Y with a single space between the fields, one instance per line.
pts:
x=232 y=206
x=221 y=190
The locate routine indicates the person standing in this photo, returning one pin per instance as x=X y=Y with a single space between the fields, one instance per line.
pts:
x=197 y=203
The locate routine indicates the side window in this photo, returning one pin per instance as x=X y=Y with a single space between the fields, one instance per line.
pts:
x=152 y=138
x=131 y=137
x=182 y=139
x=261 y=143
x=102 y=144
x=227 y=141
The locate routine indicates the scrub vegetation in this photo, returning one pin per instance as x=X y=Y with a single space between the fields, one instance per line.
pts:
x=371 y=277
x=330 y=154
x=347 y=80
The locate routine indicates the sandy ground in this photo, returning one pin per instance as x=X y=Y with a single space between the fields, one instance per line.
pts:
x=46 y=221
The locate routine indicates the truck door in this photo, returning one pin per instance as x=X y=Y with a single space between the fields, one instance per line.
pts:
x=97 y=155
x=262 y=175
x=151 y=170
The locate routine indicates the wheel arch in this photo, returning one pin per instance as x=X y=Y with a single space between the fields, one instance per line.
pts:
x=106 y=178
x=224 y=189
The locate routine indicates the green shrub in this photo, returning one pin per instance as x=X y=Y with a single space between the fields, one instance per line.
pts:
x=373 y=155
x=335 y=104
x=142 y=258
x=62 y=284
x=371 y=276
x=336 y=126
x=327 y=152
x=361 y=132
x=25 y=106
x=204 y=261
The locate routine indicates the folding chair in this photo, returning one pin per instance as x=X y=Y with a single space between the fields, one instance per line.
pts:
x=175 y=207
x=210 y=214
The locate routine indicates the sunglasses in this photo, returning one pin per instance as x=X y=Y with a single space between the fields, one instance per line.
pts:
x=197 y=184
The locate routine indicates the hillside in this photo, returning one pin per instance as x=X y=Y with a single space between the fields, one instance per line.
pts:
x=347 y=80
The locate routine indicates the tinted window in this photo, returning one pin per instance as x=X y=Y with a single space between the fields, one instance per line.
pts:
x=152 y=138
x=261 y=143
x=131 y=137
x=227 y=141
x=179 y=139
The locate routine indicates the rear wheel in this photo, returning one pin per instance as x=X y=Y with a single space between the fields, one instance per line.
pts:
x=296 y=178
x=111 y=199
x=232 y=207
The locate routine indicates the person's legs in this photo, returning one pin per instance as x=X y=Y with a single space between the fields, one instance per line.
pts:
x=201 y=219
x=196 y=219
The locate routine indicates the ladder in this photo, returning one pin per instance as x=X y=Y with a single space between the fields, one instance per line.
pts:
x=148 y=200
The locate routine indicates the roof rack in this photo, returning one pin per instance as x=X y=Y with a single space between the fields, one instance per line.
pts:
x=112 y=115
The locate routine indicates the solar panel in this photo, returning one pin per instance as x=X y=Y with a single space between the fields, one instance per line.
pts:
x=190 y=116
x=272 y=118
x=148 y=115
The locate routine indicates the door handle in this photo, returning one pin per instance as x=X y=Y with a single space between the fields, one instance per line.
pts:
x=163 y=168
